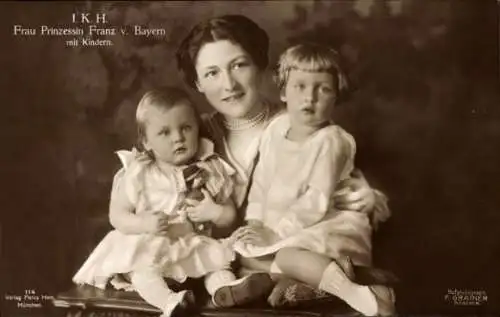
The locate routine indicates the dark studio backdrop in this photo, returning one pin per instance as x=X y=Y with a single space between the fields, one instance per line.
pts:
x=425 y=115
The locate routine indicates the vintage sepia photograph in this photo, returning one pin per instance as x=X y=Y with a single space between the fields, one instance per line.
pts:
x=311 y=158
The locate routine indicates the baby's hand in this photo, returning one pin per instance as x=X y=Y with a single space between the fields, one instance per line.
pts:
x=205 y=210
x=156 y=223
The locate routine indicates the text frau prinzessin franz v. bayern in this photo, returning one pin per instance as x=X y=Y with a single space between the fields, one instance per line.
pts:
x=90 y=30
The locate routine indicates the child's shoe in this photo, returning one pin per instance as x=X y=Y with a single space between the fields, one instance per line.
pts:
x=183 y=302
x=244 y=290
x=386 y=300
x=290 y=293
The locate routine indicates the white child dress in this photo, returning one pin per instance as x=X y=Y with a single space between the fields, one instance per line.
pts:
x=150 y=189
x=292 y=193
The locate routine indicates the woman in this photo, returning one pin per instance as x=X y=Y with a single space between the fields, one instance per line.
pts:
x=225 y=59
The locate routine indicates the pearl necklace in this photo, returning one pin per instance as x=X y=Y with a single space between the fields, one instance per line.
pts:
x=245 y=124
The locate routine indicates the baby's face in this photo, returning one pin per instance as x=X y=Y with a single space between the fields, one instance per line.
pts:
x=310 y=97
x=172 y=134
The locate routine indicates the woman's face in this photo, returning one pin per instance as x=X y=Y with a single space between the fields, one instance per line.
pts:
x=228 y=78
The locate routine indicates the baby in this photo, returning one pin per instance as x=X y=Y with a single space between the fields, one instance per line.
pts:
x=162 y=229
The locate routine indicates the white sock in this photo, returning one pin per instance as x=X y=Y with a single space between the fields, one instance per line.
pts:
x=275 y=268
x=334 y=281
x=217 y=279
x=153 y=288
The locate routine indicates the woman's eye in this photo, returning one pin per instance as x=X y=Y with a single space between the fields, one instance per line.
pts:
x=164 y=132
x=186 y=128
x=326 y=89
x=210 y=74
x=238 y=65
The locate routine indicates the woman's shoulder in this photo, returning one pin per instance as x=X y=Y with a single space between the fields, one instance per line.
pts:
x=211 y=126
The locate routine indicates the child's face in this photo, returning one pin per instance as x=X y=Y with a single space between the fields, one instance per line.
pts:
x=172 y=134
x=310 y=97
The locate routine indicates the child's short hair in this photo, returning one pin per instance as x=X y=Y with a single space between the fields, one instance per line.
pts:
x=314 y=58
x=164 y=98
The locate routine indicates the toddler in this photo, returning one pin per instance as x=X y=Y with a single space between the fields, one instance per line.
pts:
x=162 y=230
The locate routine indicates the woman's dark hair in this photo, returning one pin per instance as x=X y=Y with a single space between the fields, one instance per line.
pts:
x=235 y=28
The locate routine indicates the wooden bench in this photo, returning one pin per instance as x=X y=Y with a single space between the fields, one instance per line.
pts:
x=89 y=301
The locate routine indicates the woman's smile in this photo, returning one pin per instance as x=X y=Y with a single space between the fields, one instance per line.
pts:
x=234 y=97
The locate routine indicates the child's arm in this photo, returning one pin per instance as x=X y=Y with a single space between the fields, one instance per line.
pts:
x=122 y=214
x=221 y=215
x=312 y=206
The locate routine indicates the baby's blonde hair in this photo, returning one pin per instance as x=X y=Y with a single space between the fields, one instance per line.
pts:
x=165 y=99
x=312 y=58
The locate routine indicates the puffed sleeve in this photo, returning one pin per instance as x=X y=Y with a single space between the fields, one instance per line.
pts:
x=334 y=160
x=127 y=183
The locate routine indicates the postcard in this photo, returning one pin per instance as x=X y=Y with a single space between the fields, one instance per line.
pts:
x=413 y=86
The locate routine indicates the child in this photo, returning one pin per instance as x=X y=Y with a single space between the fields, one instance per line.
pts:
x=158 y=231
x=303 y=156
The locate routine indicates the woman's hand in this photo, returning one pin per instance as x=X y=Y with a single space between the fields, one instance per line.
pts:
x=204 y=210
x=256 y=235
x=354 y=194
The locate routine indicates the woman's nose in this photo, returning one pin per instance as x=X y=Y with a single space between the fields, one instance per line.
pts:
x=228 y=81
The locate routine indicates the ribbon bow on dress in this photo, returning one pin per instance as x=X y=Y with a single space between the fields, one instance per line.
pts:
x=210 y=173
x=195 y=178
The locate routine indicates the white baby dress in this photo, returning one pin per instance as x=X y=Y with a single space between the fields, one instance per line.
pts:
x=151 y=189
